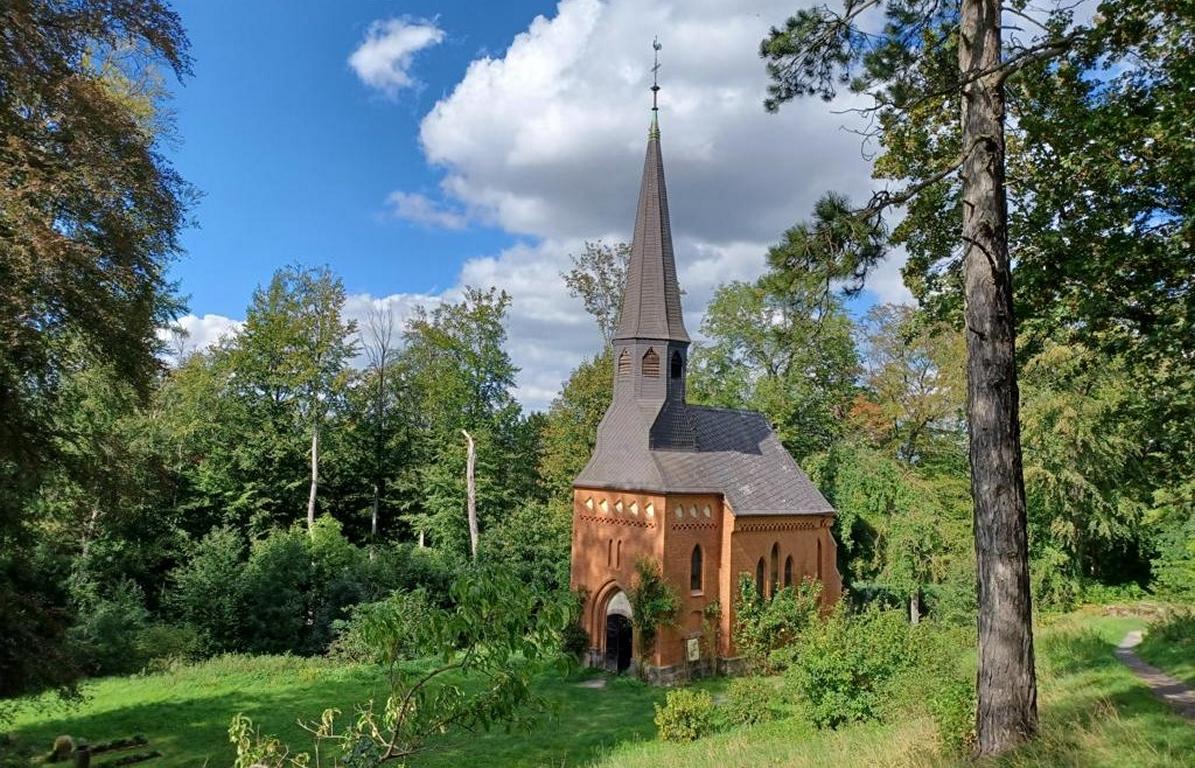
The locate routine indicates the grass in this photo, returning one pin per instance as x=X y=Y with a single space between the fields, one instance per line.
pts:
x=1094 y=713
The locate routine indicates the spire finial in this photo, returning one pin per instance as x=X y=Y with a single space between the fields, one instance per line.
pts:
x=655 y=86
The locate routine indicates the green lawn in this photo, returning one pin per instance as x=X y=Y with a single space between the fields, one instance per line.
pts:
x=1094 y=713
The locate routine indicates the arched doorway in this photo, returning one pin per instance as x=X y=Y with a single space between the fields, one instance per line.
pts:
x=619 y=635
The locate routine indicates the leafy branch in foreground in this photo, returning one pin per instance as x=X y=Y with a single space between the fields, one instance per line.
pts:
x=467 y=667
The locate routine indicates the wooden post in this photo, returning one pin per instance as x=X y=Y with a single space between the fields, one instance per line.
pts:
x=471 y=491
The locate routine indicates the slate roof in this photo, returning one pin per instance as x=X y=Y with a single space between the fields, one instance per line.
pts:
x=737 y=454
x=651 y=300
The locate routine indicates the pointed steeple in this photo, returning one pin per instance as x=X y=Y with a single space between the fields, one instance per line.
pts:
x=651 y=299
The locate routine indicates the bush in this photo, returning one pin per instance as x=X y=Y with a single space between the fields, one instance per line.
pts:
x=275 y=584
x=574 y=640
x=687 y=715
x=385 y=631
x=845 y=663
x=765 y=627
x=654 y=603
x=163 y=646
x=205 y=591
x=105 y=636
x=748 y=701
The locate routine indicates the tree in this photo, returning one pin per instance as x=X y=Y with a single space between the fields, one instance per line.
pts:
x=461 y=377
x=598 y=275
x=1100 y=219
x=913 y=374
x=289 y=362
x=380 y=349
x=90 y=215
x=783 y=347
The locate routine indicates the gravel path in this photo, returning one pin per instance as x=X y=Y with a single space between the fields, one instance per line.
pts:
x=1174 y=692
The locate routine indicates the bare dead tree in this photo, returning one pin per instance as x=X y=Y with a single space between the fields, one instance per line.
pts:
x=471 y=491
x=378 y=341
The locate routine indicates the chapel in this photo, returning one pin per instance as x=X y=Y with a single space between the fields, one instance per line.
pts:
x=706 y=493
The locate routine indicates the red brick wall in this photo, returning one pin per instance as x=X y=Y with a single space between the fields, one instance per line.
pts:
x=607 y=543
x=693 y=527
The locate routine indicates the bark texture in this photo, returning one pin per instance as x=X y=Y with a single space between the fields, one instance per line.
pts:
x=1007 y=686
x=471 y=491
x=314 y=478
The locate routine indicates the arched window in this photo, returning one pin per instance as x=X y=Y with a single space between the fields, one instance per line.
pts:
x=819 y=559
x=695 y=570
x=610 y=553
x=618 y=555
x=788 y=571
x=624 y=364
x=651 y=364
x=759 y=570
x=775 y=568
x=677 y=366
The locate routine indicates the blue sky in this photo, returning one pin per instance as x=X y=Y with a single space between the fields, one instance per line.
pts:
x=420 y=147
x=295 y=155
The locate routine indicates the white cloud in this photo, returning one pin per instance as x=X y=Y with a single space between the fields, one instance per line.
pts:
x=383 y=60
x=546 y=141
x=192 y=333
x=419 y=209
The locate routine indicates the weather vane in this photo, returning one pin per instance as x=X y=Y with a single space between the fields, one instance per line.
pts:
x=655 y=69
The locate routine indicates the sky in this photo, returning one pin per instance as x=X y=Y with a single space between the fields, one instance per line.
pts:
x=418 y=147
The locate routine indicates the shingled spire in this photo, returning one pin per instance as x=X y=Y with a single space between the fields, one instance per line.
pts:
x=651 y=299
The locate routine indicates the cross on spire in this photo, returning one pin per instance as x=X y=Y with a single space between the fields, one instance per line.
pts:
x=655 y=68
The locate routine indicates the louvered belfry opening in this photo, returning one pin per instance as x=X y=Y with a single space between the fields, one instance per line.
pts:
x=651 y=364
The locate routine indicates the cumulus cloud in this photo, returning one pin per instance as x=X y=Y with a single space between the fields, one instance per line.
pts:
x=420 y=209
x=192 y=333
x=546 y=141
x=383 y=59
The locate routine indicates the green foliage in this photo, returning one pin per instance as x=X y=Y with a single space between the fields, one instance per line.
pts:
x=781 y=346
x=106 y=635
x=533 y=541
x=845 y=663
x=687 y=715
x=767 y=630
x=654 y=603
x=749 y=701
x=497 y=630
x=205 y=589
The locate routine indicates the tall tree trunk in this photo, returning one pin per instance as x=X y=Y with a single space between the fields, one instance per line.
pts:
x=471 y=491
x=373 y=520
x=915 y=607
x=1007 y=686
x=314 y=476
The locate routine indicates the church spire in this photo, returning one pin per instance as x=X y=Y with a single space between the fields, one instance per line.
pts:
x=651 y=299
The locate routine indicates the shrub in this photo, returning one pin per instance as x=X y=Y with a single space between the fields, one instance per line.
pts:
x=205 y=590
x=274 y=591
x=574 y=640
x=764 y=626
x=687 y=715
x=654 y=603
x=1174 y=628
x=106 y=633
x=162 y=646
x=845 y=663
x=385 y=631
x=748 y=701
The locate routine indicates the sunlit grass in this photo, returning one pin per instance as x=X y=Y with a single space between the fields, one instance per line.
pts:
x=1093 y=713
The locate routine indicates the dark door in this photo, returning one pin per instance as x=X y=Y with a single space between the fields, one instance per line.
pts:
x=618 y=642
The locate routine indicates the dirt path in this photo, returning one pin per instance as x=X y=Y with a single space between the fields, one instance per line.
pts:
x=1174 y=692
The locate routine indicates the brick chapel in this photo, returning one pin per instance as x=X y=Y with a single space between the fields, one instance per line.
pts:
x=708 y=493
